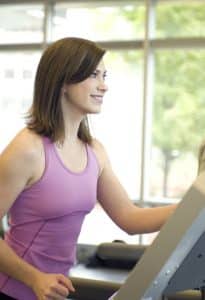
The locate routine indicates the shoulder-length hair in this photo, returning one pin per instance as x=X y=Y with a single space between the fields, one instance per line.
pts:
x=69 y=60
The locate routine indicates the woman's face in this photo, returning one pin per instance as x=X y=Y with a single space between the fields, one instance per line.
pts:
x=87 y=95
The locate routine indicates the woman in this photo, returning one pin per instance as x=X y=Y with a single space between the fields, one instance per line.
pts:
x=52 y=173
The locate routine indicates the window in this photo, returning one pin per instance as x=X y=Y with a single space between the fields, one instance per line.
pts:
x=8 y=73
x=16 y=94
x=27 y=74
x=178 y=120
x=21 y=23
x=99 y=22
x=180 y=19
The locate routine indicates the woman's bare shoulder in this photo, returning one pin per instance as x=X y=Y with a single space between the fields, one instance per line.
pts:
x=20 y=165
x=100 y=153
x=25 y=144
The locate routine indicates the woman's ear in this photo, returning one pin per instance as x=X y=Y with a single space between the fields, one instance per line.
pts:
x=63 y=90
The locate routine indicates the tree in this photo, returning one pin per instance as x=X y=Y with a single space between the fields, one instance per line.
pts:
x=178 y=110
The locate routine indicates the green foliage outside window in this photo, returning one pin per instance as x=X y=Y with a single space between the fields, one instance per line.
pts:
x=179 y=96
x=180 y=18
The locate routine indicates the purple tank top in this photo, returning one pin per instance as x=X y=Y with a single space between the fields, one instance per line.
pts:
x=46 y=218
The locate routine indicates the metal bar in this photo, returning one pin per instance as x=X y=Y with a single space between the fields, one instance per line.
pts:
x=147 y=103
x=163 y=259
x=20 y=47
x=178 y=43
x=47 y=24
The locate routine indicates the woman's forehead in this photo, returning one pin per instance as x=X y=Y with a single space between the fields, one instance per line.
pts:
x=101 y=65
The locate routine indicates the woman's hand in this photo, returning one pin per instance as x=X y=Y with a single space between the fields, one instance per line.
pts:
x=52 y=286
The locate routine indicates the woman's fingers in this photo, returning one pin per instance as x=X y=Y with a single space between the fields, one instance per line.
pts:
x=61 y=290
x=66 y=282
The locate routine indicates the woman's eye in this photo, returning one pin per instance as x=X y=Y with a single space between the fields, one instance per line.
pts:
x=94 y=74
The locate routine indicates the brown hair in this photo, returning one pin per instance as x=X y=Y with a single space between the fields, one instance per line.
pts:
x=69 y=60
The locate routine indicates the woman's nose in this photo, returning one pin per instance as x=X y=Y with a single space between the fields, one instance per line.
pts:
x=103 y=86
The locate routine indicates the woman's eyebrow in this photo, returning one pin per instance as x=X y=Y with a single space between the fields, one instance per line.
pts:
x=100 y=71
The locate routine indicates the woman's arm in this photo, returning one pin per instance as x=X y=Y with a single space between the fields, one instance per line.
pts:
x=17 y=169
x=42 y=284
x=116 y=202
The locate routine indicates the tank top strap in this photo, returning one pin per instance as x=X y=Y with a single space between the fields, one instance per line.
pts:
x=92 y=158
x=47 y=145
